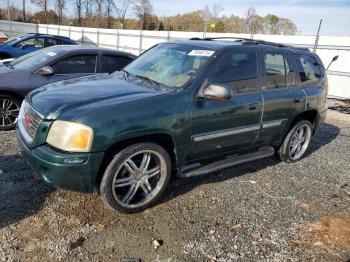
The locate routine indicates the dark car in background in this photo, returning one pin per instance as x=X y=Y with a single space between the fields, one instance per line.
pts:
x=182 y=108
x=28 y=43
x=50 y=65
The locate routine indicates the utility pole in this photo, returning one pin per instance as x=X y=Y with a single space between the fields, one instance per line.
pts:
x=317 y=36
x=9 y=17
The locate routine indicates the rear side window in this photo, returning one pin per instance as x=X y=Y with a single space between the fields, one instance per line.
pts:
x=308 y=68
x=52 y=42
x=110 y=64
x=275 y=71
x=279 y=72
x=237 y=69
x=82 y=64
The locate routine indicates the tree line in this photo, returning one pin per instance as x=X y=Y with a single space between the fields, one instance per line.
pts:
x=116 y=14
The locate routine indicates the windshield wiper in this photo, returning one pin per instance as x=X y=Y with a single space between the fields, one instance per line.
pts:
x=154 y=83
x=126 y=74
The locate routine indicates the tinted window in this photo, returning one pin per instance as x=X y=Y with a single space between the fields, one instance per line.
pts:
x=33 y=42
x=109 y=64
x=237 y=69
x=275 y=72
x=76 y=65
x=290 y=73
x=308 y=68
x=52 y=42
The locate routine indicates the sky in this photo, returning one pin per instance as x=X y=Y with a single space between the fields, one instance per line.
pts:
x=305 y=14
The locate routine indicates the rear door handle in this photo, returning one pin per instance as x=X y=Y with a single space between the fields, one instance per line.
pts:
x=299 y=100
x=254 y=106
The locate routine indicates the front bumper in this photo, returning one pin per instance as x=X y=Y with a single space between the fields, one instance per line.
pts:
x=58 y=168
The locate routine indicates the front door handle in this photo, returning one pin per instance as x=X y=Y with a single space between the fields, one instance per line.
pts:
x=254 y=106
x=299 y=100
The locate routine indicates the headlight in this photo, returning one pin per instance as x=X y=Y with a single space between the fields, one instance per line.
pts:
x=69 y=136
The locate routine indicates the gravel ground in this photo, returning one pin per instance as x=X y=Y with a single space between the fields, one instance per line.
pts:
x=265 y=211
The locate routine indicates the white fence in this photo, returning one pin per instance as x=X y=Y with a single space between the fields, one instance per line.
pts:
x=136 y=41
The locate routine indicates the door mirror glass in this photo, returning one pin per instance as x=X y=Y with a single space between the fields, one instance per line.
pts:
x=216 y=92
x=46 y=71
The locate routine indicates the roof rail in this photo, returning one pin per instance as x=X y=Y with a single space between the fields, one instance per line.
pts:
x=246 y=40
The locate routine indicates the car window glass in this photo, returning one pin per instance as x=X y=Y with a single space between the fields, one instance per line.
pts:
x=52 y=42
x=308 y=68
x=32 y=59
x=110 y=64
x=33 y=42
x=290 y=81
x=238 y=70
x=275 y=72
x=170 y=65
x=82 y=64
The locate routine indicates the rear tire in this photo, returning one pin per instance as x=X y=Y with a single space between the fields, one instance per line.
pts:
x=136 y=178
x=296 y=142
x=9 y=110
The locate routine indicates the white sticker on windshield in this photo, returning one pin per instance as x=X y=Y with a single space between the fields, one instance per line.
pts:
x=51 y=53
x=201 y=53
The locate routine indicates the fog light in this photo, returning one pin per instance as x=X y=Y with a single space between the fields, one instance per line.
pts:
x=75 y=160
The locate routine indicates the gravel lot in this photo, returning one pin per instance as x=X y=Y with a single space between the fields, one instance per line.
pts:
x=261 y=211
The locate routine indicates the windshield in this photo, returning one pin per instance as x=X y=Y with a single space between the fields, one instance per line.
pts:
x=11 y=41
x=171 y=65
x=27 y=61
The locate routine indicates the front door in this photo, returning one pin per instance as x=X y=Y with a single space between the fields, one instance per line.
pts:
x=234 y=124
x=67 y=68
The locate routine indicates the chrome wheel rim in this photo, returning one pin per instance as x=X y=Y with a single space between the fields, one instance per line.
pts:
x=299 y=142
x=139 y=178
x=9 y=111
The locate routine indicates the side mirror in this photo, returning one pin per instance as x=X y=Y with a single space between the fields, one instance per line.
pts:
x=46 y=71
x=334 y=59
x=216 y=92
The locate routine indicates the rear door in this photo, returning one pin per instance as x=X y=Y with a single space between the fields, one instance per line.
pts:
x=110 y=63
x=283 y=98
x=223 y=126
x=69 y=67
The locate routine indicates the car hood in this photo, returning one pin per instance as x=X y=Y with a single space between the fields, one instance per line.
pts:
x=54 y=99
x=5 y=69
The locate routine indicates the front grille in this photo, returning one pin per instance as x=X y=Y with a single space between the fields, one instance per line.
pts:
x=30 y=119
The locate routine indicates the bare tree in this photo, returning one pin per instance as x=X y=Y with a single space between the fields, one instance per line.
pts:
x=250 y=21
x=79 y=5
x=121 y=8
x=99 y=5
x=211 y=14
x=60 y=5
x=109 y=14
x=143 y=9
x=44 y=5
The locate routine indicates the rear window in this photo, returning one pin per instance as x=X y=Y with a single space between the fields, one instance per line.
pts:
x=308 y=68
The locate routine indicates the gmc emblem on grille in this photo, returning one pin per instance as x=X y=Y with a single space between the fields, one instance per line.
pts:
x=28 y=120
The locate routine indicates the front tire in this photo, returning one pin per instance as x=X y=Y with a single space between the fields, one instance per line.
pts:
x=136 y=178
x=9 y=110
x=296 y=142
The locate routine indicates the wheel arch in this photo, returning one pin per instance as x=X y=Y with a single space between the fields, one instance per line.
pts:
x=5 y=55
x=310 y=115
x=162 y=139
x=11 y=93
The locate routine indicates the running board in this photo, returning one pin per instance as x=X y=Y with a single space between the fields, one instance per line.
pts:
x=197 y=169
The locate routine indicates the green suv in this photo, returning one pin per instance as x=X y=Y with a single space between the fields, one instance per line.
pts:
x=183 y=108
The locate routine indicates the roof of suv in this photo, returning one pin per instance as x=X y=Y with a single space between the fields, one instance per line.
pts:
x=222 y=42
